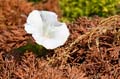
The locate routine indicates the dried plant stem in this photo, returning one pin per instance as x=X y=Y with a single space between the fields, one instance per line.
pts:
x=98 y=29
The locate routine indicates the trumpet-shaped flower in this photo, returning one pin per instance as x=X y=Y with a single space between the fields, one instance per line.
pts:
x=46 y=29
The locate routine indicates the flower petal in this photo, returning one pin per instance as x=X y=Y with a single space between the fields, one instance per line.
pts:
x=48 y=17
x=46 y=29
x=34 y=22
x=51 y=43
x=46 y=42
x=39 y=39
x=60 y=36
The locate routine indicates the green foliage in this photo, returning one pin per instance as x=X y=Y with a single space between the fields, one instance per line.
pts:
x=35 y=48
x=75 y=8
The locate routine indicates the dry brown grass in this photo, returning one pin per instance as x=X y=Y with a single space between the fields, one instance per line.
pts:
x=91 y=52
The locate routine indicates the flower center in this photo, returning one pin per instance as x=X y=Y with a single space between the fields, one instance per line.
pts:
x=48 y=31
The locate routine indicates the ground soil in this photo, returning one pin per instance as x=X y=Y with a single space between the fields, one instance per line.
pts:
x=91 y=52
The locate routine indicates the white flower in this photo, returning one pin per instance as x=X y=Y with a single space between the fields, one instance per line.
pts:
x=46 y=29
